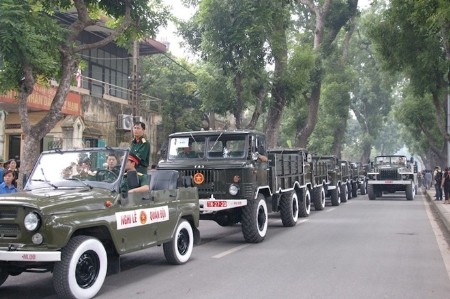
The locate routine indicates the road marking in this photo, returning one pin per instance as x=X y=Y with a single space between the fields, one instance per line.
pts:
x=440 y=238
x=329 y=210
x=303 y=221
x=230 y=251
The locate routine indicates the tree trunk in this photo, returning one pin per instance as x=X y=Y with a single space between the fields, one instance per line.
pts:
x=237 y=110
x=313 y=108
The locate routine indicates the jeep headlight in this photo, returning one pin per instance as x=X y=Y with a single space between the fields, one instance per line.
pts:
x=32 y=221
x=233 y=189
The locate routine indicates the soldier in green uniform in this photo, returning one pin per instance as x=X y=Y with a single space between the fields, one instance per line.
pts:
x=112 y=170
x=140 y=147
x=140 y=182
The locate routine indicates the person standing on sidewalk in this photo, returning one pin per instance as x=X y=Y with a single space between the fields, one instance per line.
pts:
x=428 y=179
x=445 y=184
x=437 y=176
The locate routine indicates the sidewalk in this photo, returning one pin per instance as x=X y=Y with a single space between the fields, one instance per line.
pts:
x=443 y=210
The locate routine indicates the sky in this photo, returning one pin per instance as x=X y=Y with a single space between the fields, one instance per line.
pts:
x=168 y=34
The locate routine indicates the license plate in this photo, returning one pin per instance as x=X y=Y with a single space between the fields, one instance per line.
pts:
x=388 y=182
x=216 y=204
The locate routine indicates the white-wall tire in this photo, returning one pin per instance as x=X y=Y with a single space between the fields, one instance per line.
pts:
x=179 y=249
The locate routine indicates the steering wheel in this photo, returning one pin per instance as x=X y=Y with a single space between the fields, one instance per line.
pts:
x=105 y=175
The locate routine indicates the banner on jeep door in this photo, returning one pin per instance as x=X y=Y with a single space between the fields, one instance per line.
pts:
x=140 y=217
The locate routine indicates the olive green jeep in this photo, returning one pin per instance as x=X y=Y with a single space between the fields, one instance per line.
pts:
x=75 y=218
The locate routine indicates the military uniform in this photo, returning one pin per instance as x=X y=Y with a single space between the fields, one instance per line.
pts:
x=142 y=180
x=141 y=148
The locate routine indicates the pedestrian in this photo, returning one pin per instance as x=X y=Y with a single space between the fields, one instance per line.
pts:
x=7 y=185
x=437 y=178
x=445 y=184
x=428 y=179
x=140 y=147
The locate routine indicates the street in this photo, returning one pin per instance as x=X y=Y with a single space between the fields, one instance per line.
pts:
x=386 y=248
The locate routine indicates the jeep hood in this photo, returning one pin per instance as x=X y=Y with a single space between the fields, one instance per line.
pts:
x=59 y=201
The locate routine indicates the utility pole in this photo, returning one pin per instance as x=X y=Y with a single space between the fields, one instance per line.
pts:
x=135 y=78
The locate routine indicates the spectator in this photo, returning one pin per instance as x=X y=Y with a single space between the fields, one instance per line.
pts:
x=2 y=170
x=7 y=185
x=12 y=165
x=445 y=184
x=437 y=176
x=428 y=179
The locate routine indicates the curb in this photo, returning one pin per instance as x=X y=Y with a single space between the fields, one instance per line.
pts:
x=444 y=214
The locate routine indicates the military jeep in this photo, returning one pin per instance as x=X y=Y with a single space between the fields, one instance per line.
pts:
x=75 y=219
x=392 y=173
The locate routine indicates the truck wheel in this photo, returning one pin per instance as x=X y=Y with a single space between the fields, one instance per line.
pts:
x=363 y=188
x=254 y=220
x=82 y=269
x=335 y=196
x=305 y=205
x=371 y=192
x=354 y=189
x=410 y=192
x=319 y=198
x=344 y=193
x=178 y=250
x=349 y=190
x=3 y=276
x=289 y=209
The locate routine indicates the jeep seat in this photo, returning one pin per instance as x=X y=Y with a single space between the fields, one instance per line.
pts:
x=164 y=179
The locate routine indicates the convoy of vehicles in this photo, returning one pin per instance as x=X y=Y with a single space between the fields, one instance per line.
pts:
x=76 y=222
x=75 y=219
x=392 y=173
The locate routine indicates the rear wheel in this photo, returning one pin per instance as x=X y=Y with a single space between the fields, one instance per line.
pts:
x=354 y=189
x=335 y=196
x=319 y=198
x=254 y=220
x=305 y=203
x=344 y=193
x=363 y=188
x=178 y=250
x=289 y=208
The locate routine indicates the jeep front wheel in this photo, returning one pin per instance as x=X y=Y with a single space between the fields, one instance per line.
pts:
x=410 y=192
x=82 y=269
x=179 y=249
x=371 y=192
x=254 y=220
x=289 y=209
x=3 y=276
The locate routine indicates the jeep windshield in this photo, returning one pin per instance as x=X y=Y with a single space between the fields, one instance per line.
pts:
x=210 y=147
x=390 y=160
x=97 y=167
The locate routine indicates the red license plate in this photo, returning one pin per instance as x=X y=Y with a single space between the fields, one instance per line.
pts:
x=388 y=182
x=216 y=204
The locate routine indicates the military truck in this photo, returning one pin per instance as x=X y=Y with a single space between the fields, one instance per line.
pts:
x=359 y=177
x=76 y=222
x=392 y=173
x=338 y=184
x=239 y=181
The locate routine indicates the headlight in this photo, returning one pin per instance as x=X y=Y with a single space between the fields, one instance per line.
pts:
x=233 y=190
x=32 y=221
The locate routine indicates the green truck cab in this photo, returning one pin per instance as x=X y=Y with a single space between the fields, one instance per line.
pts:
x=392 y=173
x=240 y=181
x=75 y=218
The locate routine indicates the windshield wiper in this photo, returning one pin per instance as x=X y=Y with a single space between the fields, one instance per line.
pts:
x=45 y=181
x=83 y=182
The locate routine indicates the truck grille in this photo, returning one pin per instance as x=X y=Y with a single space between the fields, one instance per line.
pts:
x=9 y=231
x=212 y=179
x=8 y=228
x=389 y=174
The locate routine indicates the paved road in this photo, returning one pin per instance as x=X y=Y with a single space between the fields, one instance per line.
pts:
x=387 y=248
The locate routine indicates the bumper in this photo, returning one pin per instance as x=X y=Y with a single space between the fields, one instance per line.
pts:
x=213 y=205
x=30 y=256
x=389 y=182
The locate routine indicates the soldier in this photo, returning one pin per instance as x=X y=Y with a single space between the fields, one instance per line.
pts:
x=136 y=181
x=140 y=147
